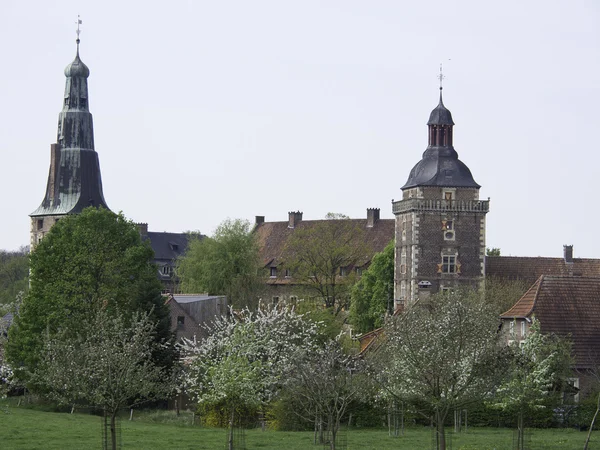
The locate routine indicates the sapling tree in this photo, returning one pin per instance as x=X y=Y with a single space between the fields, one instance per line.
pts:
x=538 y=372
x=106 y=364
x=323 y=386
x=246 y=357
x=441 y=354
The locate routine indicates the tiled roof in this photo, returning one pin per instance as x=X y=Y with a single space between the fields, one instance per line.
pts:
x=531 y=268
x=273 y=237
x=567 y=306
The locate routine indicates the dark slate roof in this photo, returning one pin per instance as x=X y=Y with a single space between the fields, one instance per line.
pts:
x=75 y=183
x=77 y=68
x=167 y=246
x=567 y=306
x=273 y=236
x=531 y=268
x=440 y=115
x=440 y=166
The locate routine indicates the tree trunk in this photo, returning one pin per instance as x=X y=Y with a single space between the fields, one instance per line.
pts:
x=113 y=430
x=589 y=435
x=231 y=424
x=441 y=432
x=520 y=433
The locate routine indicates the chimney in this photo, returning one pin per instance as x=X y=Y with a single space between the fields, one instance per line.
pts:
x=143 y=229
x=372 y=217
x=53 y=185
x=258 y=220
x=568 y=253
x=294 y=218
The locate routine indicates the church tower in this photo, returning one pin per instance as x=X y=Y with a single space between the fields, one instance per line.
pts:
x=440 y=221
x=74 y=181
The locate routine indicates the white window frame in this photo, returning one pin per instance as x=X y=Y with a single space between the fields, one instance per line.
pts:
x=449 y=262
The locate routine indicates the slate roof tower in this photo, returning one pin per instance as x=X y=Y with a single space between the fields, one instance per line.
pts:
x=440 y=221
x=74 y=180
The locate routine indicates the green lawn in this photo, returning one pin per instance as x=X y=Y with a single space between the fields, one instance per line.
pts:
x=22 y=428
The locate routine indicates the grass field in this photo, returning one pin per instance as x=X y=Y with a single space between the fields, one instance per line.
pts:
x=22 y=428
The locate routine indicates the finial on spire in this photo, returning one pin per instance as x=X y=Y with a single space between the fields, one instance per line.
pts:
x=78 y=31
x=441 y=77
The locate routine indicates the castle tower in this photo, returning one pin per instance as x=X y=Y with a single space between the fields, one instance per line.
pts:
x=440 y=221
x=74 y=181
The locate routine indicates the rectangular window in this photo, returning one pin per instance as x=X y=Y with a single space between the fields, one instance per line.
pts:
x=40 y=224
x=402 y=290
x=275 y=301
x=166 y=270
x=571 y=394
x=449 y=264
x=358 y=271
x=288 y=273
x=180 y=321
x=343 y=271
x=273 y=272
x=523 y=329
x=293 y=300
x=511 y=328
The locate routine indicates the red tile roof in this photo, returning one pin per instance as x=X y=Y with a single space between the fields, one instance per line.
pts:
x=273 y=237
x=567 y=306
x=531 y=268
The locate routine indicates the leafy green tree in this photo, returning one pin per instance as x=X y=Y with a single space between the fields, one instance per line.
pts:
x=86 y=261
x=226 y=263
x=538 y=373
x=373 y=294
x=321 y=258
x=14 y=274
x=107 y=364
x=441 y=354
x=494 y=251
x=502 y=294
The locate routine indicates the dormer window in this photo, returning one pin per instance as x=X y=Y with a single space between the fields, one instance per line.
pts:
x=174 y=246
x=166 y=270
x=273 y=273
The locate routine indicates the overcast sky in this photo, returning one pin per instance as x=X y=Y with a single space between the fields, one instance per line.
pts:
x=215 y=109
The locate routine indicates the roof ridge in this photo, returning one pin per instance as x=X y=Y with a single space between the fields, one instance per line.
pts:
x=539 y=283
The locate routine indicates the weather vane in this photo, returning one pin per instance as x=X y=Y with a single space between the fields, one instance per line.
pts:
x=78 y=31
x=441 y=77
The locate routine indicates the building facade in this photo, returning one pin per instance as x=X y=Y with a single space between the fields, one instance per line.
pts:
x=440 y=220
x=281 y=285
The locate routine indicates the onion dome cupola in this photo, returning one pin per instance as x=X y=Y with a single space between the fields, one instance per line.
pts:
x=440 y=165
x=74 y=181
